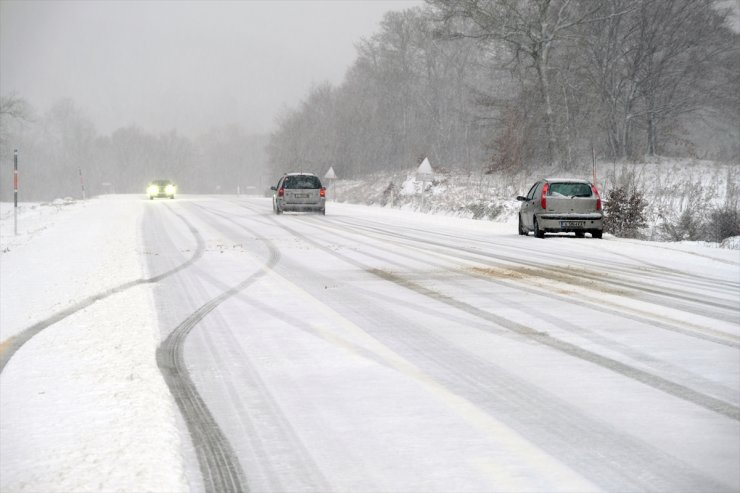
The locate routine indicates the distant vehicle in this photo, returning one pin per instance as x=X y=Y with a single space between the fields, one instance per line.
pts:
x=161 y=189
x=299 y=192
x=561 y=205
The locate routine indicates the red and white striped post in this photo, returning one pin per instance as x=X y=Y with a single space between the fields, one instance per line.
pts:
x=15 y=191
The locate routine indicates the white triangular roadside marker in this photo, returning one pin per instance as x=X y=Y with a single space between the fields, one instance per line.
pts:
x=425 y=168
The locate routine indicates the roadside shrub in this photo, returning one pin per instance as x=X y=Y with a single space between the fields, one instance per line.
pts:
x=688 y=226
x=389 y=194
x=694 y=224
x=485 y=210
x=724 y=222
x=624 y=212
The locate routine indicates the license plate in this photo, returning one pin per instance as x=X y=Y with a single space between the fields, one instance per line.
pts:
x=572 y=224
x=301 y=195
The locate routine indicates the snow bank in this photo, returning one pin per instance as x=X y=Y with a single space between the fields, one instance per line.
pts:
x=732 y=243
x=113 y=424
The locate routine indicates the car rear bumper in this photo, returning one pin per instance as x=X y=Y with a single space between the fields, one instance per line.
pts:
x=293 y=207
x=553 y=223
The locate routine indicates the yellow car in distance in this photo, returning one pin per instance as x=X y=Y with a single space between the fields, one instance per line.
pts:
x=161 y=189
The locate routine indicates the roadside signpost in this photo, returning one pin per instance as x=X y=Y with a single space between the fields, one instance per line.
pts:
x=331 y=176
x=425 y=174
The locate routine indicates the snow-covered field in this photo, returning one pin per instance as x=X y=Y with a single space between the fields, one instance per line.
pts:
x=84 y=406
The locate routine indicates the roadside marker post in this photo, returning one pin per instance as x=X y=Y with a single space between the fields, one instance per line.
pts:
x=425 y=173
x=15 y=191
x=82 y=183
x=331 y=176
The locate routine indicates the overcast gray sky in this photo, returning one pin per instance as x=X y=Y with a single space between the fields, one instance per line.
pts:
x=186 y=65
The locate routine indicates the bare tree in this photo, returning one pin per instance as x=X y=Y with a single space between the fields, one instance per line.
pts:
x=682 y=40
x=657 y=62
x=13 y=109
x=532 y=29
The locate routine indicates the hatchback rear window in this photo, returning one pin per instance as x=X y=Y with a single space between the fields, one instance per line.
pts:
x=302 y=181
x=569 y=190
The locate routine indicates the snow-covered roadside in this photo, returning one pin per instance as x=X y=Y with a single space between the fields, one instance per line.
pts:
x=669 y=185
x=114 y=421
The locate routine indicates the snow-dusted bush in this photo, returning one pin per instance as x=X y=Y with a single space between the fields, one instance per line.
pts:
x=732 y=243
x=624 y=212
x=723 y=223
x=687 y=226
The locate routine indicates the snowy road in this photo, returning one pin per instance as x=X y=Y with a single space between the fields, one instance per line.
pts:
x=375 y=350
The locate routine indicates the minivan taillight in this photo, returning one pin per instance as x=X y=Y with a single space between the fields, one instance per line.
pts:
x=543 y=199
x=598 y=197
x=322 y=192
x=281 y=192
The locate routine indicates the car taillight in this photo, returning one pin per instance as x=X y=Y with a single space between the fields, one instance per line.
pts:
x=543 y=199
x=281 y=192
x=598 y=197
x=322 y=192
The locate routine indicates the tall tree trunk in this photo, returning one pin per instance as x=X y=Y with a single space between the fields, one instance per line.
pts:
x=650 y=135
x=568 y=143
x=541 y=66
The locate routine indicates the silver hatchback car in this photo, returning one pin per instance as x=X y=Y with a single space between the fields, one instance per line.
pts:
x=561 y=205
x=299 y=192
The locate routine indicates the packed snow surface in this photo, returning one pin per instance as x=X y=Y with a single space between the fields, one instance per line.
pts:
x=360 y=351
x=83 y=406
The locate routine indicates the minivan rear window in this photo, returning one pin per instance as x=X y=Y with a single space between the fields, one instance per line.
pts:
x=302 y=181
x=569 y=190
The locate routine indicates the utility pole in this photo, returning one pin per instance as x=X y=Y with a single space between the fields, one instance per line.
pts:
x=15 y=191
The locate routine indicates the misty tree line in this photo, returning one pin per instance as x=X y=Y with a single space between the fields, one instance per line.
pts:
x=472 y=84
x=507 y=84
x=57 y=145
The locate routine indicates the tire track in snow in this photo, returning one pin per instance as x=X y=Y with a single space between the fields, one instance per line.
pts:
x=268 y=419
x=620 y=459
x=219 y=464
x=653 y=294
x=654 y=381
x=667 y=272
x=10 y=346
x=612 y=345
x=698 y=332
x=657 y=382
x=588 y=444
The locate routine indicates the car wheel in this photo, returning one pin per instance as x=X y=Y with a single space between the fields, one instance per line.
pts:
x=596 y=233
x=580 y=234
x=522 y=231
x=537 y=231
x=172 y=197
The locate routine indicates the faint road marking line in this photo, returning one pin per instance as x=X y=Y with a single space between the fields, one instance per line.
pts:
x=559 y=473
x=654 y=381
x=659 y=383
